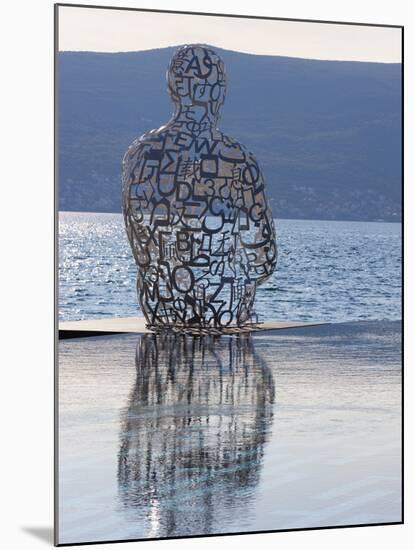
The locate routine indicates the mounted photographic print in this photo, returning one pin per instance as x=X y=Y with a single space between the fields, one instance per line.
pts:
x=228 y=274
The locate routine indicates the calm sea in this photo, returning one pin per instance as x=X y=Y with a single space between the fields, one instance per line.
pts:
x=327 y=271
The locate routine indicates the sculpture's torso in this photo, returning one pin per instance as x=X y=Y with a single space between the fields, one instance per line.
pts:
x=198 y=222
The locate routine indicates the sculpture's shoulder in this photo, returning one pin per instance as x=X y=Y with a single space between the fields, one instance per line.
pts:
x=241 y=162
x=143 y=143
x=235 y=151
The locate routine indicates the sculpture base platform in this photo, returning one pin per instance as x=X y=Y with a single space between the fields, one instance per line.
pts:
x=121 y=325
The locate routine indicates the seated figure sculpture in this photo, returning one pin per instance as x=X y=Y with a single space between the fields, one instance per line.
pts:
x=196 y=214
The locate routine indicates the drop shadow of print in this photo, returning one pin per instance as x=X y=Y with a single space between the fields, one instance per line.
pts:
x=42 y=533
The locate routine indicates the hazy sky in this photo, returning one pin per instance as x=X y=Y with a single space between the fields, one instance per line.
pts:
x=106 y=30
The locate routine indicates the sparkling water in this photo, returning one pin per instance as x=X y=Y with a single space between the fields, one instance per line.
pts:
x=327 y=270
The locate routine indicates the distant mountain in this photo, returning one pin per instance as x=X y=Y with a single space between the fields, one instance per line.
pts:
x=326 y=133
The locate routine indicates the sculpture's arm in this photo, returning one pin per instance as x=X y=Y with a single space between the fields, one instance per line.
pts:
x=139 y=175
x=137 y=187
x=257 y=235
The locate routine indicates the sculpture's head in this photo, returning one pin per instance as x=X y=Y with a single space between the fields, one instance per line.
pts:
x=196 y=77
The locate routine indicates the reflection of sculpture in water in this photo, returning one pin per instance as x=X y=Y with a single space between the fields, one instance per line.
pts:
x=196 y=214
x=193 y=435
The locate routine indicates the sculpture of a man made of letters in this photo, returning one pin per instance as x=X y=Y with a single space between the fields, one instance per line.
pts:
x=196 y=214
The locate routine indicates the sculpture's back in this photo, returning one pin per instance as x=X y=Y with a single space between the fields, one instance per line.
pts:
x=195 y=210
